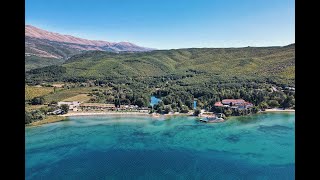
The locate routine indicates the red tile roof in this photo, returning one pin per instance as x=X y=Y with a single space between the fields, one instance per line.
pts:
x=237 y=102
x=218 y=104
x=233 y=101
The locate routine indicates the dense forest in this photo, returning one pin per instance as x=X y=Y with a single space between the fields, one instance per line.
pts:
x=182 y=65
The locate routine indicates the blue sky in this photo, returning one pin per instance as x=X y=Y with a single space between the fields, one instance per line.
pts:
x=170 y=24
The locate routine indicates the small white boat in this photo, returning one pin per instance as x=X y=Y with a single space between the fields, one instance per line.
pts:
x=214 y=119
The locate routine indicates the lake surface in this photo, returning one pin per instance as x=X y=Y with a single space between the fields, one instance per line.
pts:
x=119 y=147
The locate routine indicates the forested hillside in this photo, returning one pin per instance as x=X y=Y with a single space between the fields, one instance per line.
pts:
x=186 y=66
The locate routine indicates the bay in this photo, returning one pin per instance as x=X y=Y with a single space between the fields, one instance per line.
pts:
x=142 y=147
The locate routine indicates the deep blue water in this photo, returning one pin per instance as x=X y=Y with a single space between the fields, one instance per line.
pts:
x=136 y=147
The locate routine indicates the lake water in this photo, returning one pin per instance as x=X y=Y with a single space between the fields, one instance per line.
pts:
x=136 y=147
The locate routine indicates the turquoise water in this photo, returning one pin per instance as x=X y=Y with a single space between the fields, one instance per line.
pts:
x=137 y=147
x=154 y=100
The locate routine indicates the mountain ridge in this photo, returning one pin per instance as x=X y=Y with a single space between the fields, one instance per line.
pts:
x=35 y=32
x=55 y=48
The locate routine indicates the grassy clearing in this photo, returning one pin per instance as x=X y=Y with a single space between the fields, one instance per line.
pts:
x=288 y=72
x=79 y=97
x=34 y=107
x=48 y=119
x=32 y=91
x=66 y=93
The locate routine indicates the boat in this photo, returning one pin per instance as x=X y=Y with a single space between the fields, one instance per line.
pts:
x=213 y=119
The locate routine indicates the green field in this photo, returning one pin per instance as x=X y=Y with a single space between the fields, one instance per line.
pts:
x=34 y=107
x=79 y=97
x=66 y=93
x=32 y=91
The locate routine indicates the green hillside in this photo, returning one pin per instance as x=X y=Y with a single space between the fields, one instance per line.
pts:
x=185 y=65
x=33 y=62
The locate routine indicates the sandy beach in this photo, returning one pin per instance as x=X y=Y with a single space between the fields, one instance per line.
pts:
x=120 y=113
x=103 y=113
x=279 y=110
x=179 y=114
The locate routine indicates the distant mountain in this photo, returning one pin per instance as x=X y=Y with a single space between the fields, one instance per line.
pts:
x=52 y=46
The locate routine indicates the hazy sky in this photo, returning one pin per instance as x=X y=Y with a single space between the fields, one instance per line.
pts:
x=166 y=24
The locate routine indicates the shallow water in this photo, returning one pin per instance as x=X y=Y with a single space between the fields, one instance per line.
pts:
x=136 y=147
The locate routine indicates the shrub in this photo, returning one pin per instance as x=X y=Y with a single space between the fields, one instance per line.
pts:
x=37 y=101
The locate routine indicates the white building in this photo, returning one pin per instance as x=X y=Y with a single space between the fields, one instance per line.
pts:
x=72 y=105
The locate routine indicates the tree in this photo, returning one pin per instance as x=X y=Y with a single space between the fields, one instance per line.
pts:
x=117 y=102
x=167 y=110
x=217 y=109
x=159 y=109
x=44 y=110
x=37 y=101
x=125 y=101
x=27 y=118
x=189 y=103
x=176 y=109
x=173 y=106
x=37 y=115
x=51 y=109
x=200 y=104
x=254 y=109
x=64 y=108
x=288 y=102
x=140 y=102
x=166 y=100
x=263 y=105
x=273 y=103
x=228 y=112
x=184 y=109
x=196 y=112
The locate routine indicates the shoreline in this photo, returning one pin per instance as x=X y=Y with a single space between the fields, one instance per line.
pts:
x=47 y=120
x=119 y=113
x=279 y=110
x=103 y=113
x=72 y=114
x=64 y=117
